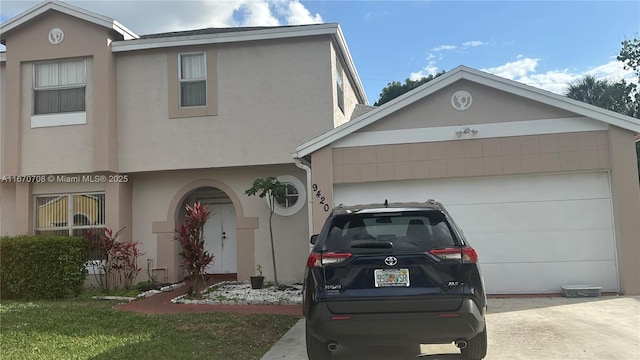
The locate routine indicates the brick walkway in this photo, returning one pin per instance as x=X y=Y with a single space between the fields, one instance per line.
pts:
x=161 y=304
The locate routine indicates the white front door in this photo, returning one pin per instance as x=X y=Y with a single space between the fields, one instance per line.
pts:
x=220 y=239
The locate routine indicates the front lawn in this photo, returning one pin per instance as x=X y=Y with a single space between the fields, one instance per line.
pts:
x=91 y=329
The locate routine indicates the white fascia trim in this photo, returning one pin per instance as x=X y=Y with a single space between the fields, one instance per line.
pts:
x=549 y=98
x=373 y=115
x=491 y=130
x=49 y=120
x=253 y=35
x=353 y=72
x=476 y=76
x=69 y=10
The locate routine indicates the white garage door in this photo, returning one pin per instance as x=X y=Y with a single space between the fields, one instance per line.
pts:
x=532 y=233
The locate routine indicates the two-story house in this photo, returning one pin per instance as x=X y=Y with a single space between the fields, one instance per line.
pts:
x=101 y=127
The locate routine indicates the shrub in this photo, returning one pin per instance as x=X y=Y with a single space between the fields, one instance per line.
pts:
x=190 y=235
x=42 y=267
x=118 y=264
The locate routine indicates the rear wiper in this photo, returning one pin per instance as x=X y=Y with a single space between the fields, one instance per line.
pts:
x=359 y=244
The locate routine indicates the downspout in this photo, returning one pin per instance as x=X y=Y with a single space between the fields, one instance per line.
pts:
x=306 y=166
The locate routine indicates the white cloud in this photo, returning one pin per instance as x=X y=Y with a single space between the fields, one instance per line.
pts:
x=444 y=47
x=297 y=14
x=524 y=70
x=474 y=43
x=515 y=69
x=430 y=69
x=258 y=13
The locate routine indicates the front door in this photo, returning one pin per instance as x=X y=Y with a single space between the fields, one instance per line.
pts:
x=220 y=239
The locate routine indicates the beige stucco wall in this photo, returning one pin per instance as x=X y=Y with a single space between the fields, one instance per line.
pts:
x=626 y=205
x=57 y=149
x=473 y=157
x=489 y=106
x=272 y=96
x=350 y=99
x=154 y=193
x=38 y=151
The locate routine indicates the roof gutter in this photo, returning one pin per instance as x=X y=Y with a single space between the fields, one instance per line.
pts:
x=306 y=166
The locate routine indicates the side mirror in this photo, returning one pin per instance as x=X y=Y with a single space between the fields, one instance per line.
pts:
x=314 y=239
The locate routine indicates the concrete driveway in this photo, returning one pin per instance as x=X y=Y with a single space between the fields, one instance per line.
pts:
x=532 y=328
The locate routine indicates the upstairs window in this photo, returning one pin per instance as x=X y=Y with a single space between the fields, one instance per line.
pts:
x=339 y=85
x=193 y=80
x=59 y=87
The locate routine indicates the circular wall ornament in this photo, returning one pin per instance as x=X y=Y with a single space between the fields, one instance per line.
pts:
x=56 y=35
x=461 y=100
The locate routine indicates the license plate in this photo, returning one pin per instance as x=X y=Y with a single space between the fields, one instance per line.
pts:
x=391 y=277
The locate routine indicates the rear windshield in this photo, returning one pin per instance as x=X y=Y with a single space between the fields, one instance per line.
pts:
x=410 y=231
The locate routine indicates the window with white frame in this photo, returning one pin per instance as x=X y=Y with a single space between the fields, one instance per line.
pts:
x=293 y=199
x=339 y=85
x=193 y=79
x=70 y=214
x=59 y=87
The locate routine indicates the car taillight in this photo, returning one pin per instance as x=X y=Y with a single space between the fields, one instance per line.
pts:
x=316 y=259
x=465 y=254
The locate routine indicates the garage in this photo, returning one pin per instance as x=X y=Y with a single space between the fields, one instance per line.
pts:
x=546 y=188
x=532 y=233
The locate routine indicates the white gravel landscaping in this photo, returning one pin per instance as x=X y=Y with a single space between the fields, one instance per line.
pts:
x=240 y=293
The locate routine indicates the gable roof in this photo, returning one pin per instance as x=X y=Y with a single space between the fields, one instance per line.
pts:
x=479 y=77
x=64 y=8
x=240 y=34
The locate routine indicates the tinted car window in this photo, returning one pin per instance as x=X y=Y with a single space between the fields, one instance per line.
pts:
x=410 y=231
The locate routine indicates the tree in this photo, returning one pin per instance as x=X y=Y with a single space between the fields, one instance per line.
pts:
x=618 y=96
x=630 y=55
x=190 y=235
x=272 y=188
x=396 y=88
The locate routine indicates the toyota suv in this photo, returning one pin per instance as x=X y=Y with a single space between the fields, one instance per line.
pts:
x=389 y=274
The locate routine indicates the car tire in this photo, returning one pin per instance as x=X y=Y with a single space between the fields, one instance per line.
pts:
x=316 y=349
x=476 y=347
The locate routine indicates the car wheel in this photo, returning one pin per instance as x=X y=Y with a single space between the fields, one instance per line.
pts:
x=316 y=349
x=477 y=347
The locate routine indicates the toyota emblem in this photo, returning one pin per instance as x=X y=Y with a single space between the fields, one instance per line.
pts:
x=391 y=260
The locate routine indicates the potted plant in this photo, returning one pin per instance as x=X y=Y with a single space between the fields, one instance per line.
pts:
x=257 y=281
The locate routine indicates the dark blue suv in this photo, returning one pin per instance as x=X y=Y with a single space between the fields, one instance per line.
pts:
x=393 y=274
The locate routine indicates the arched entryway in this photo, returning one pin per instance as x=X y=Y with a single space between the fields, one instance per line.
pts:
x=220 y=230
x=228 y=234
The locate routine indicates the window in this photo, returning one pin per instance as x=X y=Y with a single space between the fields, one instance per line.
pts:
x=193 y=80
x=339 y=85
x=70 y=214
x=294 y=197
x=290 y=196
x=59 y=87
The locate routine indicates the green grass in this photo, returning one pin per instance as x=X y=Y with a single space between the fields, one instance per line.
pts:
x=91 y=329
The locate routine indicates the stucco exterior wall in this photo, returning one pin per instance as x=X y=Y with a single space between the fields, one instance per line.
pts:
x=153 y=194
x=57 y=149
x=350 y=99
x=265 y=91
x=39 y=151
x=489 y=106
x=473 y=157
x=626 y=204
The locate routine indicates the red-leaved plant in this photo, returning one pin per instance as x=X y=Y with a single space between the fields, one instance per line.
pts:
x=117 y=263
x=195 y=258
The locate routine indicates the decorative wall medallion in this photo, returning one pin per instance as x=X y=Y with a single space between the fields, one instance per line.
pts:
x=56 y=36
x=461 y=100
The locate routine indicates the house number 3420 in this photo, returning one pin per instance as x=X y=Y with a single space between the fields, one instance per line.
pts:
x=318 y=193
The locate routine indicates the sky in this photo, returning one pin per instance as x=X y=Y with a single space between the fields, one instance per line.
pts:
x=546 y=44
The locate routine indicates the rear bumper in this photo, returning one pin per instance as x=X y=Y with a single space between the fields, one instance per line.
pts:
x=396 y=328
